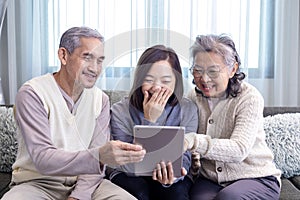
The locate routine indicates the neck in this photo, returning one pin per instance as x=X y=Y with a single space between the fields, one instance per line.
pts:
x=69 y=86
x=221 y=96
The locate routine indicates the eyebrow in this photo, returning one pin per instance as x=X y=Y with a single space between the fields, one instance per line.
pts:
x=92 y=55
x=167 y=76
x=208 y=66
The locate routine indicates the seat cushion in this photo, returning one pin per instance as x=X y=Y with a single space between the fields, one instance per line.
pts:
x=296 y=181
x=288 y=190
x=4 y=182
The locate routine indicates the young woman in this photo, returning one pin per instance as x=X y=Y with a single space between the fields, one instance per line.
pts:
x=156 y=98
x=236 y=162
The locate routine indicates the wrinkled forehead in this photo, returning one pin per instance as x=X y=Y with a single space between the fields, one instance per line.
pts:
x=206 y=59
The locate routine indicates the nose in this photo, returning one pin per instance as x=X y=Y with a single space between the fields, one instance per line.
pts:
x=94 y=66
x=156 y=87
x=204 y=77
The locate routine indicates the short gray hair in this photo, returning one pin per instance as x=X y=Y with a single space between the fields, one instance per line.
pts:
x=71 y=38
x=222 y=45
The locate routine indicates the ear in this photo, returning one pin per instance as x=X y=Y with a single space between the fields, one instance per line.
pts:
x=63 y=55
x=234 y=69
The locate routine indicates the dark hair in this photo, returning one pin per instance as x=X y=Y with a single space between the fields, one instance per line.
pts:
x=71 y=38
x=148 y=58
x=224 y=46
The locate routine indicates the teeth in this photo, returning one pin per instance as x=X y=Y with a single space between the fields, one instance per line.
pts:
x=90 y=75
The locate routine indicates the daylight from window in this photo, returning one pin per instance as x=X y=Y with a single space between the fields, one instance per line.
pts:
x=130 y=26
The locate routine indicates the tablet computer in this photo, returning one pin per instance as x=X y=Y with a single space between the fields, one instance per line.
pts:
x=162 y=143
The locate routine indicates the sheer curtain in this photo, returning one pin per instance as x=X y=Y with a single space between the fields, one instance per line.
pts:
x=287 y=54
x=280 y=85
x=3 y=6
x=269 y=48
x=24 y=52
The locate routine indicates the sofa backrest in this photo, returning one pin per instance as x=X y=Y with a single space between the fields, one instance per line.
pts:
x=280 y=110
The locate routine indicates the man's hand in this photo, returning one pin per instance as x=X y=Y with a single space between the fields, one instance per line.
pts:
x=154 y=104
x=164 y=173
x=119 y=153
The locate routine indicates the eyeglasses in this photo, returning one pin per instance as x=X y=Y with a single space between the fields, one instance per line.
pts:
x=212 y=72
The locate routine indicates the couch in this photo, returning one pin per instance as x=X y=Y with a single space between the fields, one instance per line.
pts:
x=282 y=126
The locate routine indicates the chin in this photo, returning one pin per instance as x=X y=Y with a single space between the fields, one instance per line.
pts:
x=89 y=85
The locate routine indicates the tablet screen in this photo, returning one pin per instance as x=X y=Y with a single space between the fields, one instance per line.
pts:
x=161 y=143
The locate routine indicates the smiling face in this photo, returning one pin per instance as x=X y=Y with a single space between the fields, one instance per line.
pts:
x=159 y=76
x=212 y=87
x=83 y=66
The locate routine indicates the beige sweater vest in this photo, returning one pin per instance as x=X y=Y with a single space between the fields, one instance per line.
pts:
x=70 y=132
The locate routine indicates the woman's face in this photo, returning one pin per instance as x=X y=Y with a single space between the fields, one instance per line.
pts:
x=214 y=84
x=159 y=76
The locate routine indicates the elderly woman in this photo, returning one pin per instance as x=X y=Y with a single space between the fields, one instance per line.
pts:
x=235 y=160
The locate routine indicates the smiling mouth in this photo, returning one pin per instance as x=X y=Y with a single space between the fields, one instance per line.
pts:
x=207 y=87
x=90 y=75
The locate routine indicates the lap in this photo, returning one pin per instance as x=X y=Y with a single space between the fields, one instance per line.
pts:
x=37 y=190
x=146 y=188
x=51 y=190
x=252 y=188
x=107 y=190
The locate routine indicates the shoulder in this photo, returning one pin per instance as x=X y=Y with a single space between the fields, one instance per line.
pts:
x=185 y=101
x=40 y=79
x=27 y=95
x=250 y=92
x=121 y=105
x=249 y=99
x=191 y=94
x=105 y=98
x=188 y=105
x=27 y=101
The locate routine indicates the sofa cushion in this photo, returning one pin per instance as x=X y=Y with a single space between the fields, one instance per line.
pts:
x=288 y=190
x=296 y=181
x=283 y=137
x=8 y=142
x=116 y=95
x=4 y=182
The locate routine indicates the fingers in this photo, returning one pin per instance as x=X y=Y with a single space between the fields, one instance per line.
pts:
x=130 y=157
x=146 y=98
x=129 y=147
x=163 y=96
x=183 y=171
x=153 y=105
x=119 y=153
x=163 y=173
x=170 y=172
x=129 y=153
x=160 y=96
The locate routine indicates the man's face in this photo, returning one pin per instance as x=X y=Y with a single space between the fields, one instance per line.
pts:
x=84 y=65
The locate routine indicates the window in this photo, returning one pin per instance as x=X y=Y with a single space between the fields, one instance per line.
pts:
x=130 y=26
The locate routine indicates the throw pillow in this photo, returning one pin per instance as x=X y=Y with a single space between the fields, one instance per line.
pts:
x=283 y=138
x=8 y=142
